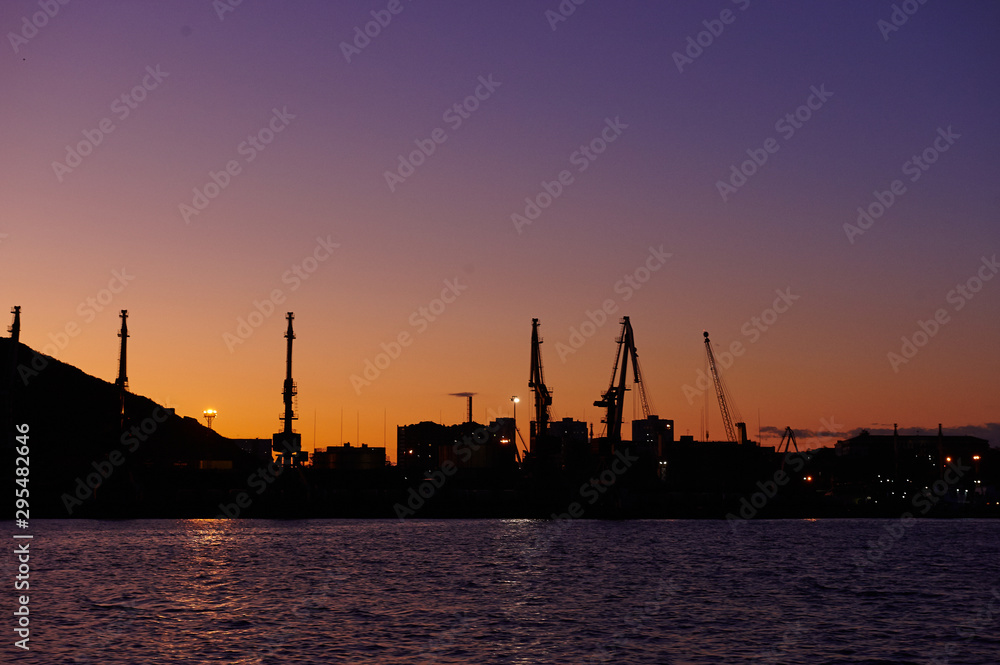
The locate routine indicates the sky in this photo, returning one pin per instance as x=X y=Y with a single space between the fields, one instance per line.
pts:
x=417 y=180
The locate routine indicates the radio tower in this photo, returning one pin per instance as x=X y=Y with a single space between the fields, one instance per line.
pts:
x=122 y=380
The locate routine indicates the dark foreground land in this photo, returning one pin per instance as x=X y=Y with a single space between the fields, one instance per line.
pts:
x=84 y=461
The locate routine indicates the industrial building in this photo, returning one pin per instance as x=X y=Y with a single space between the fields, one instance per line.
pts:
x=426 y=446
x=350 y=458
x=654 y=435
x=490 y=448
x=259 y=448
x=417 y=445
x=920 y=458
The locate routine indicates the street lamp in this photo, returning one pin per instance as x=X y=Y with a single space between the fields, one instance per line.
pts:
x=515 y=399
x=209 y=415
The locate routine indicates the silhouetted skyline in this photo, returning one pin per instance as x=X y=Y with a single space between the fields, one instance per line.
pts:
x=815 y=185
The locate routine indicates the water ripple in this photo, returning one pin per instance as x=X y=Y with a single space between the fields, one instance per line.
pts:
x=514 y=591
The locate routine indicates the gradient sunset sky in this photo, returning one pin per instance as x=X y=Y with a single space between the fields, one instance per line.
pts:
x=199 y=81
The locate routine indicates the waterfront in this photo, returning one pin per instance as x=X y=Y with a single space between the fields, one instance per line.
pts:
x=514 y=591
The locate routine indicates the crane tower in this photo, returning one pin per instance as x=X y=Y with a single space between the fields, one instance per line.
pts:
x=122 y=380
x=543 y=398
x=725 y=401
x=288 y=444
x=613 y=400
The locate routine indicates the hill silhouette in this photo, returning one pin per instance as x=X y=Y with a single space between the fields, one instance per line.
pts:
x=156 y=466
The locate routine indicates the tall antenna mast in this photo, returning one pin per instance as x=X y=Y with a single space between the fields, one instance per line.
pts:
x=289 y=392
x=122 y=380
x=288 y=444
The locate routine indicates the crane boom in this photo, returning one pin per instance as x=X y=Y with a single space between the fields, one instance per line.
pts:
x=644 y=399
x=543 y=399
x=725 y=400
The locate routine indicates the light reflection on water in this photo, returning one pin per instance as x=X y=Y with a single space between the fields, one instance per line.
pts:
x=510 y=591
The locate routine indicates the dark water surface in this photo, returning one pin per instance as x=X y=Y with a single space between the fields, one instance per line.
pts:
x=512 y=591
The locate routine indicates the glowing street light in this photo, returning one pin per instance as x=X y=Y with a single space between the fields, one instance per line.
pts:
x=515 y=399
x=209 y=415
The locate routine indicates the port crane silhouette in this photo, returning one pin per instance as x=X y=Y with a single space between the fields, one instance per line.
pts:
x=287 y=444
x=613 y=400
x=543 y=398
x=725 y=400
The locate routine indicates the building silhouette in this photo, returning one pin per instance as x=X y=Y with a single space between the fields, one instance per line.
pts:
x=350 y=458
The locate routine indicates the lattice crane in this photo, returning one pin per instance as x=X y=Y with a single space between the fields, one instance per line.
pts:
x=725 y=398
